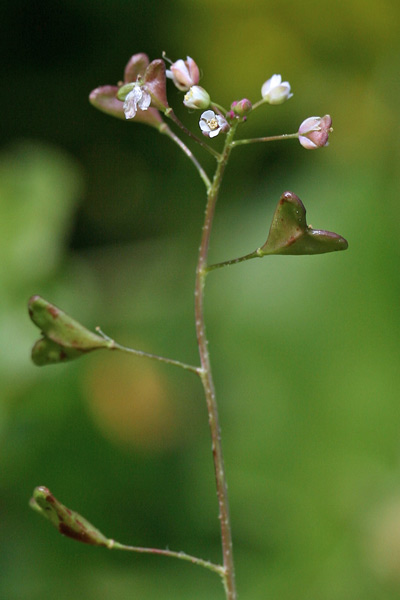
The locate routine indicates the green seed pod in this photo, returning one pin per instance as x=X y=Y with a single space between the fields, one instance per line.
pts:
x=63 y=329
x=289 y=233
x=68 y=522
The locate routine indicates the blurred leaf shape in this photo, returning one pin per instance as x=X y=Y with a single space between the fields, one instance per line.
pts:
x=39 y=186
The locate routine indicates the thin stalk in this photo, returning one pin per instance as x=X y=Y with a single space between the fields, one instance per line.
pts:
x=271 y=138
x=219 y=109
x=169 y=361
x=170 y=553
x=167 y=131
x=206 y=374
x=234 y=261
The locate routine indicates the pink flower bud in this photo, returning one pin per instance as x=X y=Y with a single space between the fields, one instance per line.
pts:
x=184 y=73
x=196 y=97
x=276 y=91
x=241 y=107
x=314 y=132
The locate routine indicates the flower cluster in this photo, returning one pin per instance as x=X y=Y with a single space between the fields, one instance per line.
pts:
x=143 y=97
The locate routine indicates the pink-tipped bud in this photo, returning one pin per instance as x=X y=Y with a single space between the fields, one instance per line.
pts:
x=184 y=74
x=276 y=91
x=196 y=97
x=241 y=107
x=314 y=132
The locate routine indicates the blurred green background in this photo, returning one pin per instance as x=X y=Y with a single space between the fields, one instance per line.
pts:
x=103 y=219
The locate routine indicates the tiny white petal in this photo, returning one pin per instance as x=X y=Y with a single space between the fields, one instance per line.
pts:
x=144 y=101
x=203 y=125
x=208 y=114
x=138 y=97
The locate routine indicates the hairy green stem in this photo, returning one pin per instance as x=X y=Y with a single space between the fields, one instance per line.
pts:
x=167 y=131
x=181 y=555
x=169 y=361
x=271 y=138
x=206 y=374
x=234 y=261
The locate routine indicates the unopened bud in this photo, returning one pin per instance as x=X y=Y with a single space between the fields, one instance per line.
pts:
x=67 y=521
x=314 y=132
x=196 y=97
x=184 y=73
x=276 y=91
x=241 y=107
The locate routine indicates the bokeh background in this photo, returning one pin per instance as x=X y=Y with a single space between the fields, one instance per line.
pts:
x=103 y=219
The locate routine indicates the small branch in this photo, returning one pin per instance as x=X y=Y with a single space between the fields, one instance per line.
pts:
x=169 y=361
x=171 y=115
x=233 y=261
x=181 y=555
x=219 y=109
x=167 y=131
x=272 y=138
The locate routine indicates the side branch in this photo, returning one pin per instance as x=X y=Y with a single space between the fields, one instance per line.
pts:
x=167 y=131
x=271 y=138
x=170 y=553
x=169 y=361
x=233 y=261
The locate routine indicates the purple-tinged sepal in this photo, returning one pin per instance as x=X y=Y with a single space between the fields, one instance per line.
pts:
x=155 y=82
x=136 y=67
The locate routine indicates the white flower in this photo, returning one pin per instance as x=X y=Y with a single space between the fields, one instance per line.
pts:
x=184 y=73
x=138 y=97
x=196 y=97
x=211 y=124
x=276 y=91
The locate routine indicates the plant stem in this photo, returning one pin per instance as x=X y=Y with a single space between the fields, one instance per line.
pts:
x=167 y=131
x=234 y=261
x=169 y=361
x=271 y=138
x=181 y=555
x=206 y=374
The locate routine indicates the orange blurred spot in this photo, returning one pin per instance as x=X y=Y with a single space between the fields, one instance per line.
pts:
x=132 y=402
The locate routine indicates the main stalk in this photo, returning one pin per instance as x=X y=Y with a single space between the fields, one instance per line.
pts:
x=206 y=374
